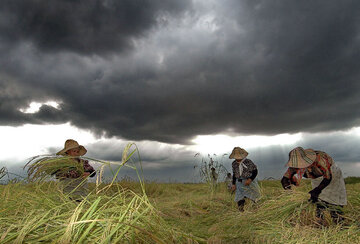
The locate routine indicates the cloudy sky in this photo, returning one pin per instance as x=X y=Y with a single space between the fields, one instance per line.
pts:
x=178 y=78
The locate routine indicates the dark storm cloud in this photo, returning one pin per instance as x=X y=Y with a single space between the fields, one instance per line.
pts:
x=252 y=67
x=87 y=27
x=342 y=146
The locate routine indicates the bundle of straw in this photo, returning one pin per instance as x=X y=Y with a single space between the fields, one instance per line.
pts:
x=41 y=168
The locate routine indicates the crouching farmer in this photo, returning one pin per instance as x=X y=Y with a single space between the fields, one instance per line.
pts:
x=244 y=174
x=328 y=186
x=75 y=182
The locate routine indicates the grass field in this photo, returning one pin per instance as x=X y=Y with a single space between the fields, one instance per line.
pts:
x=169 y=213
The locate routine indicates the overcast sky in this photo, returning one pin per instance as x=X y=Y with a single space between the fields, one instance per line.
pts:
x=181 y=77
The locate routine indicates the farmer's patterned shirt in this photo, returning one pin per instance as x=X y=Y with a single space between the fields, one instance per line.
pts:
x=320 y=167
x=73 y=174
x=247 y=171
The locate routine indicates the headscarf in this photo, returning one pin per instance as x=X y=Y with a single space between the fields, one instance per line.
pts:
x=242 y=166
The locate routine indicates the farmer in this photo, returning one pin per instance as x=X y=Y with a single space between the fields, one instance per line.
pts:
x=228 y=182
x=328 y=186
x=74 y=182
x=214 y=175
x=244 y=174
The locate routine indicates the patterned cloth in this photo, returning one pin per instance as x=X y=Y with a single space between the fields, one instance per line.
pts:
x=323 y=168
x=335 y=192
x=320 y=168
x=73 y=183
x=251 y=191
x=247 y=170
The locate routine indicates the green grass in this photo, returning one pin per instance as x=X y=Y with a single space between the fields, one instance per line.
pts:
x=39 y=211
x=169 y=213
x=278 y=217
x=352 y=180
x=34 y=213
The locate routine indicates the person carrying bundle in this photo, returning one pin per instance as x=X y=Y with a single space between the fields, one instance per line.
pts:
x=244 y=174
x=73 y=180
x=328 y=185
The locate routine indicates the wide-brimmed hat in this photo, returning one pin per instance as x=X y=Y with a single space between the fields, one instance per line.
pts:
x=301 y=158
x=71 y=144
x=238 y=153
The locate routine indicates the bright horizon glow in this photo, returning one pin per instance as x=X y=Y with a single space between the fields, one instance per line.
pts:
x=30 y=140
x=224 y=143
x=354 y=130
x=22 y=142
x=34 y=107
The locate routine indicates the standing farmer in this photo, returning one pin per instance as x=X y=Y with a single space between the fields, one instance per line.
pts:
x=328 y=186
x=228 y=182
x=244 y=174
x=214 y=175
x=75 y=182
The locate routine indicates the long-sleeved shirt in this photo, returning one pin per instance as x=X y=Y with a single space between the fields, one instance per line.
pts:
x=249 y=170
x=320 y=167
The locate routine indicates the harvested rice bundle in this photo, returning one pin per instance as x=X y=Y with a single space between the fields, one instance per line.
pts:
x=41 y=168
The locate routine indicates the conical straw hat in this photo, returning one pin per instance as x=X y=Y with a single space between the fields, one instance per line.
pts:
x=238 y=153
x=71 y=144
x=301 y=158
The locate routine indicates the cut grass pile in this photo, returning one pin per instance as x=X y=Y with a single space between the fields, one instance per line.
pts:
x=169 y=213
x=38 y=211
x=278 y=217
x=34 y=213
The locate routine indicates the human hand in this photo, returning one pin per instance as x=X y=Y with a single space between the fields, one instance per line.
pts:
x=285 y=182
x=233 y=187
x=248 y=182
x=314 y=195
